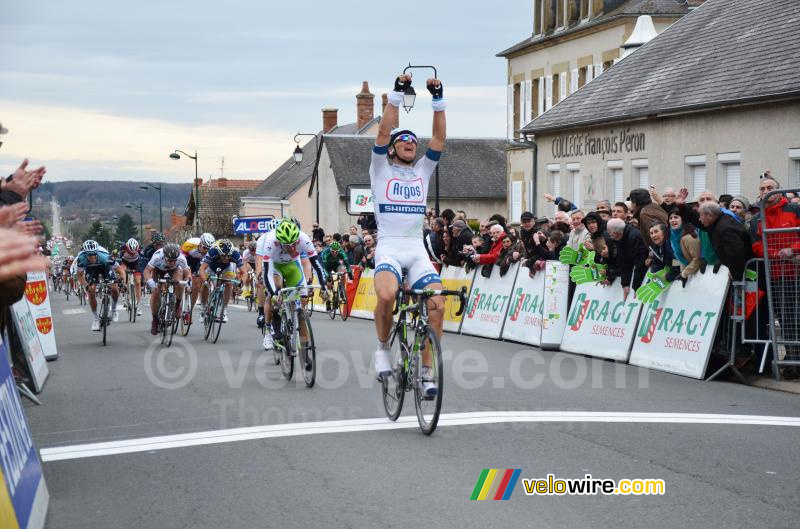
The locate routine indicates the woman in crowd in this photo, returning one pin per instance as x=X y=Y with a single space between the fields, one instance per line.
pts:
x=685 y=244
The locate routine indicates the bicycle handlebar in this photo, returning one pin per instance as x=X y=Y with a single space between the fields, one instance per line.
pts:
x=427 y=293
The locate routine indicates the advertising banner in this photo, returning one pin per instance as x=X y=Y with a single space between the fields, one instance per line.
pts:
x=453 y=278
x=359 y=200
x=676 y=331
x=251 y=225
x=488 y=303
x=556 y=303
x=524 y=315
x=31 y=346
x=601 y=322
x=23 y=493
x=365 y=299
x=38 y=298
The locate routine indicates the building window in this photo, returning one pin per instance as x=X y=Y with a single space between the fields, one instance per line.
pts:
x=556 y=87
x=729 y=168
x=537 y=17
x=517 y=114
x=607 y=65
x=585 y=9
x=516 y=200
x=641 y=173
x=794 y=168
x=535 y=97
x=554 y=173
x=696 y=172
x=617 y=179
x=582 y=75
x=574 y=177
x=560 y=14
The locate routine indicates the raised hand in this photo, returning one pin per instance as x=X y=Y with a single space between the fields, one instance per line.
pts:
x=435 y=88
x=10 y=215
x=402 y=82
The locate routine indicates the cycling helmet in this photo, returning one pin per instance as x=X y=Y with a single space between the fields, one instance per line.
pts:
x=90 y=247
x=132 y=245
x=207 y=240
x=157 y=237
x=273 y=224
x=251 y=246
x=225 y=247
x=287 y=232
x=171 y=251
x=335 y=246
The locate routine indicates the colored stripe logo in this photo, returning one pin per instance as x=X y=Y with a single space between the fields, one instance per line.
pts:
x=496 y=484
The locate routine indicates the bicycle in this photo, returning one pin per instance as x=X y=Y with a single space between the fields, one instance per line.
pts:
x=130 y=287
x=81 y=293
x=212 y=317
x=167 y=321
x=338 y=297
x=292 y=317
x=186 y=310
x=407 y=357
x=251 y=288
x=104 y=292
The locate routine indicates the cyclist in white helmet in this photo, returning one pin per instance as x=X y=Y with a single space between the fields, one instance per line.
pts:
x=194 y=250
x=400 y=190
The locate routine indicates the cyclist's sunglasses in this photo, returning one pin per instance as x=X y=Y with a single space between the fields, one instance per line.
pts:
x=406 y=137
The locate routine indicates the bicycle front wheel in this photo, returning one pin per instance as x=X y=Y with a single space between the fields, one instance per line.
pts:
x=308 y=351
x=208 y=316
x=343 y=301
x=393 y=388
x=429 y=406
x=104 y=317
x=186 y=314
x=216 y=322
x=287 y=360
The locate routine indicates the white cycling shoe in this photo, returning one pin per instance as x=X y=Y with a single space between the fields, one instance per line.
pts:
x=383 y=363
x=268 y=345
x=225 y=316
x=429 y=389
x=115 y=316
x=138 y=311
x=96 y=324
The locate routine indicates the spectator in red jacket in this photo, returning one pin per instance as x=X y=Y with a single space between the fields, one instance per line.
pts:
x=778 y=213
x=498 y=234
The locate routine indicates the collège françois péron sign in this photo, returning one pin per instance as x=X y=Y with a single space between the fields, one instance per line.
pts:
x=582 y=144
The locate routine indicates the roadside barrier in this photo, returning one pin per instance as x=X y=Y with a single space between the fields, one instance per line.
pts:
x=488 y=302
x=453 y=278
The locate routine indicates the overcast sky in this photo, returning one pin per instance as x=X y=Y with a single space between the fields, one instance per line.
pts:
x=107 y=89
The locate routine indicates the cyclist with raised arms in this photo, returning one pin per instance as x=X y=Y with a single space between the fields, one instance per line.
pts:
x=194 y=250
x=130 y=256
x=93 y=262
x=281 y=250
x=168 y=261
x=227 y=259
x=400 y=189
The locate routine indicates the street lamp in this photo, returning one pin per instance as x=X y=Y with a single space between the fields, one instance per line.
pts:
x=160 y=216
x=176 y=156
x=409 y=96
x=298 y=157
x=139 y=207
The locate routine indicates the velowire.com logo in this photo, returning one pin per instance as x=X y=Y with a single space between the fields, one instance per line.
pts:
x=496 y=484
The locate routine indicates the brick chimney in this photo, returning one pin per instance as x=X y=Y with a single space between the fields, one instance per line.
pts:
x=384 y=102
x=330 y=118
x=365 y=105
x=198 y=182
x=222 y=182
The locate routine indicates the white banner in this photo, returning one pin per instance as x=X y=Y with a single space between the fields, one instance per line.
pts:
x=31 y=346
x=556 y=303
x=453 y=278
x=601 y=323
x=524 y=316
x=677 y=331
x=38 y=297
x=488 y=303
x=361 y=200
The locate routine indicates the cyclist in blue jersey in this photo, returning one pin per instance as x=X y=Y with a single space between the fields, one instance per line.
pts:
x=92 y=263
x=225 y=258
x=400 y=190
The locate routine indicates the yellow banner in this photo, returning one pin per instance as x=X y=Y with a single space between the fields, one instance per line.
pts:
x=365 y=300
x=7 y=517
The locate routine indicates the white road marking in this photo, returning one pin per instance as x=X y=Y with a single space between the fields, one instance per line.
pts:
x=146 y=444
x=73 y=311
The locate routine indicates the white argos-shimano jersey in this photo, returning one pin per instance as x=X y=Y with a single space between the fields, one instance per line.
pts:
x=400 y=193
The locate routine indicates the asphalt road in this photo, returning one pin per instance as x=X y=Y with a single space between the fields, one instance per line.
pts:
x=254 y=453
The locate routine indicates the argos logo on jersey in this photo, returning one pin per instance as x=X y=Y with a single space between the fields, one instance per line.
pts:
x=405 y=191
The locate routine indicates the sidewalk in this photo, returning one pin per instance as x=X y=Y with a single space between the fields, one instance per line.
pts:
x=787 y=386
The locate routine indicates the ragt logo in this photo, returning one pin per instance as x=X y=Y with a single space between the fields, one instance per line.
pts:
x=592 y=310
x=524 y=303
x=408 y=191
x=673 y=321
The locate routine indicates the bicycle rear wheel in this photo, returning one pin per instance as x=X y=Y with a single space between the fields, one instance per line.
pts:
x=393 y=387
x=308 y=351
x=104 y=317
x=343 y=300
x=428 y=407
x=186 y=313
x=330 y=305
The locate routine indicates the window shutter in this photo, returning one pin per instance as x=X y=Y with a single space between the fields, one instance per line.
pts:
x=644 y=178
x=598 y=69
x=562 y=81
x=531 y=205
x=556 y=177
x=618 y=185
x=510 y=112
x=589 y=73
x=516 y=201
x=548 y=100
x=733 y=179
x=573 y=81
x=576 y=188
x=698 y=180
x=541 y=95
